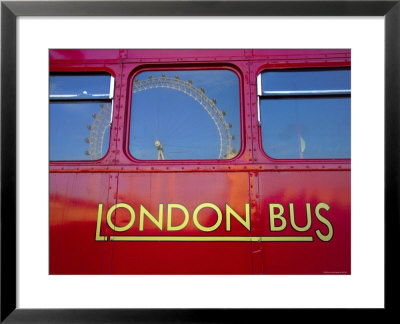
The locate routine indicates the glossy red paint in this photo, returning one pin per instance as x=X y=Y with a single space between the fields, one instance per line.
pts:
x=77 y=188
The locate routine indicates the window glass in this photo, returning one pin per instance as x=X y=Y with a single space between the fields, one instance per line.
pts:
x=310 y=125
x=292 y=80
x=79 y=127
x=184 y=115
x=80 y=86
x=306 y=128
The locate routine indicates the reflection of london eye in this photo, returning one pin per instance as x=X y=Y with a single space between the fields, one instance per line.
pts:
x=209 y=105
x=98 y=128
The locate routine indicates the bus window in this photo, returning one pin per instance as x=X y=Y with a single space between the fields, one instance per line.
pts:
x=80 y=116
x=305 y=114
x=185 y=115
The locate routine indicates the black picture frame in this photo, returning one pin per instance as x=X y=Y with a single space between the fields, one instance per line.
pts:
x=10 y=10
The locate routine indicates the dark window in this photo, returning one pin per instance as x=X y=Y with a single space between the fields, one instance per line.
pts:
x=185 y=115
x=305 y=113
x=80 y=116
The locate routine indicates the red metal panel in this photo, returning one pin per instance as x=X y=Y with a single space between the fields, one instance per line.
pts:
x=299 y=188
x=157 y=55
x=173 y=55
x=87 y=55
x=301 y=54
x=186 y=257
x=74 y=200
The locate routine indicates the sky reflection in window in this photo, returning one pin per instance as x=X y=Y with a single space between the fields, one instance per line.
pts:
x=185 y=115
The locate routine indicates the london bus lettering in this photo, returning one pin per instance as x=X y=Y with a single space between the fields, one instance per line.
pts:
x=277 y=219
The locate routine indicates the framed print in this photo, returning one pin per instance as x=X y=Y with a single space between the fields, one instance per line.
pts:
x=189 y=172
